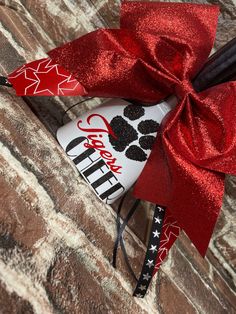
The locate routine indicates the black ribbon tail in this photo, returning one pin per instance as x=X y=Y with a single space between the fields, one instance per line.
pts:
x=151 y=253
x=148 y=267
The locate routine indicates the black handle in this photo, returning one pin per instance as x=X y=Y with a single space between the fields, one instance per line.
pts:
x=220 y=68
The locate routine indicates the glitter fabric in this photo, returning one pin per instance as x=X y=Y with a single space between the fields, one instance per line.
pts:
x=147 y=142
x=157 y=51
x=125 y=133
x=133 y=112
x=135 y=153
x=148 y=126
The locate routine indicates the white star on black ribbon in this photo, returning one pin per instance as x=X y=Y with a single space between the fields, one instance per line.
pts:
x=151 y=253
x=152 y=249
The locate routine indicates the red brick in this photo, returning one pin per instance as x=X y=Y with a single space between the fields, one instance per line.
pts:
x=197 y=287
x=171 y=299
x=194 y=257
x=17 y=220
x=226 y=244
x=58 y=20
x=223 y=283
x=72 y=289
x=110 y=11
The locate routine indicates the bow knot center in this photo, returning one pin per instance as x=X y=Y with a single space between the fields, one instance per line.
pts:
x=183 y=89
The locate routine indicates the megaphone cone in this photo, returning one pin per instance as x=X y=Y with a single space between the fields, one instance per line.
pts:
x=111 y=144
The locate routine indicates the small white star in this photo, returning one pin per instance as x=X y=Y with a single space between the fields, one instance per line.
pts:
x=142 y=287
x=153 y=248
x=160 y=209
x=146 y=276
x=156 y=234
x=150 y=263
x=139 y=295
x=157 y=219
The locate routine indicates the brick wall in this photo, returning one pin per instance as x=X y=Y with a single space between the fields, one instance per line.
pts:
x=56 y=237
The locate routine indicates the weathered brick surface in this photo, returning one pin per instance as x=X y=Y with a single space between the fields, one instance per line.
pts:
x=16 y=218
x=70 y=286
x=171 y=298
x=196 y=285
x=12 y=303
x=56 y=238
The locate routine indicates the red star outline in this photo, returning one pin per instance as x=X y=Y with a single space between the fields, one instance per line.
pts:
x=33 y=72
x=14 y=79
x=24 y=70
x=37 y=74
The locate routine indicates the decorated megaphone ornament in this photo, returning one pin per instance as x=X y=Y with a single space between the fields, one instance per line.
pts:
x=179 y=157
x=111 y=144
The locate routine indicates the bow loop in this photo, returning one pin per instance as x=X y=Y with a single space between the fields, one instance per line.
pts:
x=215 y=129
x=157 y=45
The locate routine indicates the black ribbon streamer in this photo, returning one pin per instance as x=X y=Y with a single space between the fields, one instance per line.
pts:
x=220 y=68
x=145 y=277
x=151 y=253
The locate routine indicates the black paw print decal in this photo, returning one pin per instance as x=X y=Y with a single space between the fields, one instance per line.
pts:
x=128 y=134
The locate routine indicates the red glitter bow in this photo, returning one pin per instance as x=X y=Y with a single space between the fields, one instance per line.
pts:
x=159 y=48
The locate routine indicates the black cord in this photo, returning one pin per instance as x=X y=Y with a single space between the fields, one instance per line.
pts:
x=78 y=103
x=120 y=230
x=4 y=81
x=118 y=225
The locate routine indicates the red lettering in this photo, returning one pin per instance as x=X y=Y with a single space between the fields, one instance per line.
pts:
x=98 y=144
x=105 y=154
x=92 y=137
x=114 y=168
x=107 y=130
x=95 y=144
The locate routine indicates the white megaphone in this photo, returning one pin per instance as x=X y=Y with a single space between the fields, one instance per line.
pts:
x=111 y=144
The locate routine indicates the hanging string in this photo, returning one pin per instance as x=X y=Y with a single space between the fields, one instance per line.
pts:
x=120 y=230
x=71 y=107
